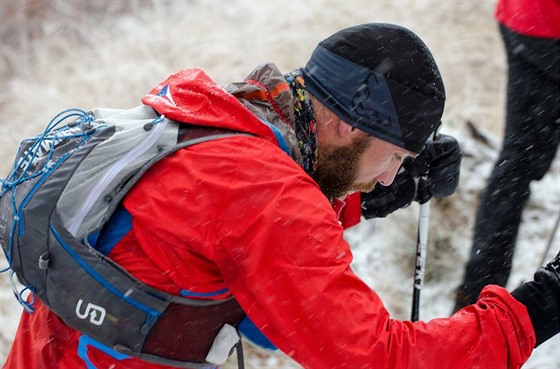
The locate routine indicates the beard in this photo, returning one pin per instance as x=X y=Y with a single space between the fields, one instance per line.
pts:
x=337 y=168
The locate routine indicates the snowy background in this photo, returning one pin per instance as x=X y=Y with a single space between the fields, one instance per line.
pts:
x=58 y=54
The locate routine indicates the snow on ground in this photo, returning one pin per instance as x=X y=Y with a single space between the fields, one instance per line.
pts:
x=57 y=54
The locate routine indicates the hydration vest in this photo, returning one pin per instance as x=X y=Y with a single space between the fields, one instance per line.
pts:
x=63 y=188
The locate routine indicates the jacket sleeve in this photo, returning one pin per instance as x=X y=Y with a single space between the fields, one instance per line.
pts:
x=282 y=254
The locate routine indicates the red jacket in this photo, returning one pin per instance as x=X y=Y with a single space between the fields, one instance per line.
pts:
x=535 y=18
x=238 y=216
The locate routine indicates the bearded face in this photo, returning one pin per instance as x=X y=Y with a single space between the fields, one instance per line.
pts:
x=337 y=168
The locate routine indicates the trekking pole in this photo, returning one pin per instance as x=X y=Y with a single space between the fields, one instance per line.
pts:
x=550 y=239
x=421 y=243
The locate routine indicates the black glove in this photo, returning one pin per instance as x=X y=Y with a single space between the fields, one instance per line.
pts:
x=542 y=300
x=435 y=172
x=438 y=167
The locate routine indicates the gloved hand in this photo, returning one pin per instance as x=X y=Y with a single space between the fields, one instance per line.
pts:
x=433 y=173
x=438 y=167
x=541 y=297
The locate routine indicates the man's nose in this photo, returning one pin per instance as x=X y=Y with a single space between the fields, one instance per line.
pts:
x=388 y=176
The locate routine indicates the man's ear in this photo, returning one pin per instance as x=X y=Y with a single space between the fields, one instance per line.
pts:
x=345 y=129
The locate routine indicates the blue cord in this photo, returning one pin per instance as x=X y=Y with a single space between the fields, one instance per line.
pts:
x=83 y=117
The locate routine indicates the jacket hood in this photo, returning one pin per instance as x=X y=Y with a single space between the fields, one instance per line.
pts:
x=192 y=97
x=267 y=95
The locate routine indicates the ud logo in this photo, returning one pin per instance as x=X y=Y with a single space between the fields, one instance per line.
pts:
x=96 y=313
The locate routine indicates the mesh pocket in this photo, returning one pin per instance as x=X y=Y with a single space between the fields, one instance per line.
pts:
x=186 y=333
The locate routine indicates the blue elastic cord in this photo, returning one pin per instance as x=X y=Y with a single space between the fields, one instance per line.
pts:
x=34 y=149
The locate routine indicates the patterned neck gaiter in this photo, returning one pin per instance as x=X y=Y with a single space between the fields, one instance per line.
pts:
x=305 y=125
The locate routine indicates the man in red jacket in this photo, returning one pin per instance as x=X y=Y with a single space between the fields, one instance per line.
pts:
x=531 y=34
x=251 y=217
